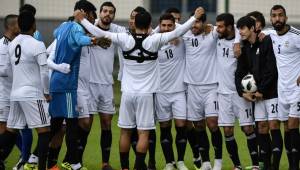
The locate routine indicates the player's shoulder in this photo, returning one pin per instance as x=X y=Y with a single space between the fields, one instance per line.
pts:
x=4 y=42
x=117 y=28
x=294 y=30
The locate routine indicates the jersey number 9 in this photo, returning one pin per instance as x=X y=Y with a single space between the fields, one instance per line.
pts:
x=18 y=54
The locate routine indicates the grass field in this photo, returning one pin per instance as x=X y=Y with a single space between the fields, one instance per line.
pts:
x=92 y=155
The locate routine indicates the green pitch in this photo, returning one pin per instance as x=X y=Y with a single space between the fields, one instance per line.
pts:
x=92 y=155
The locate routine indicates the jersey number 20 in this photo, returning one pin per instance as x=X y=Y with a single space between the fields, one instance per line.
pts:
x=18 y=54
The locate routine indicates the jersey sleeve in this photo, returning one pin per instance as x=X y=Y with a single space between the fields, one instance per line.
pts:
x=241 y=72
x=79 y=36
x=297 y=43
x=269 y=71
x=40 y=53
x=237 y=38
x=4 y=65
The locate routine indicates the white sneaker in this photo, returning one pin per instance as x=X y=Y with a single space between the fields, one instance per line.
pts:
x=19 y=165
x=33 y=159
x=206 y=166
x=218 y=164
x=181 y=166
x=169 y=166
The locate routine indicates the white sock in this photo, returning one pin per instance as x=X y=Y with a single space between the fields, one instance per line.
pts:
x=76 y=166
x=33 y=159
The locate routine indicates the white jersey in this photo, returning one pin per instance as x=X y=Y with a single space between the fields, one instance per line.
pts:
x=102 y=60
x=287 y=52
x=171 y=64
x=29 y=60
x=5 y=70
x=226 y=66
x=200 y=58
x=140 y=77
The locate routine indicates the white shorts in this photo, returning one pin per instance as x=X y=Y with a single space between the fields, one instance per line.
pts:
x=4 y=111
x=170 y=106
x=266 y=110
x=233 y=106
x=137 y=110
x=33 y=113
x=288 y=104
x=101 y=98
x=202 y=102
x=83 y=98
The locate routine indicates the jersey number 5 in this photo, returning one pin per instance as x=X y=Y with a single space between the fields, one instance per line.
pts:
x=18 y=54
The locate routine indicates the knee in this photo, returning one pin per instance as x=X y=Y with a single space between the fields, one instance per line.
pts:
x=2 y=128
x=85 y=123
x=263 y=127
x=106 y=123
x=228 y=131
x=293 y=123
x=274 y=124
x=200 y=125
x=212 y=124
x=248 y=129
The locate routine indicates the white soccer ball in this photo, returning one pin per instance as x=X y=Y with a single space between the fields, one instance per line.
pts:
x=249 y=84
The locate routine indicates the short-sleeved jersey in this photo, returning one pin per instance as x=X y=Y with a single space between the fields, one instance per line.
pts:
x=171 y=66
x=70 y=38
x=226 y=66
x=27 y=55
x=102 y=60
x=200 y=58
x=5 y=70
x=140 y=77
x=287 y=52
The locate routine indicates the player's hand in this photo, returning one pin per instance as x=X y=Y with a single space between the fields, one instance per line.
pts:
x=208 y=28
x=249 y=97
x=261 y=36
x=258 y=96
x=298 y=81
x=199 y=12
x=237 y=50
x=103 y=42
x=79 y=15
x=64 y=68
x=48 y=97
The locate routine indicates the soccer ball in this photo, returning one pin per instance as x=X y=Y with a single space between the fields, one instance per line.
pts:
x=249 y=84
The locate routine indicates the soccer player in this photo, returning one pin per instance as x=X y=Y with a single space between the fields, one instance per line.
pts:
x=258 y=59
x=286 y=46
x=170 y=99
x=231 y=105
x=70 y=38
x=6 y=137
x=140 y=79
x=202 y=104
x=175 y=12
x=30 y=89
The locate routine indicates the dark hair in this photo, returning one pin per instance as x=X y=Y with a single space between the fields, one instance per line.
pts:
x=247 y=21
x=25 y=21
x=143 y=20
x=227 y=18
x=8 y=18
x=167 y=16
x=108 y=3
x=259 y=17
x=276 y=7
x=202 y=18
x=29 y=8
x=173 y=10
x=84 y=5
x=139 y=9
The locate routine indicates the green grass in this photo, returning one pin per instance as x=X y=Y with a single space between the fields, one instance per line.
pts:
x=92 y=155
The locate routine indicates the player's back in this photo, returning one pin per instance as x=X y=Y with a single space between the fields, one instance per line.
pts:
x=25 y=56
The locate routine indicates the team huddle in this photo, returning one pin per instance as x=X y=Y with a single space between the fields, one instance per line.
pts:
x=195 y=73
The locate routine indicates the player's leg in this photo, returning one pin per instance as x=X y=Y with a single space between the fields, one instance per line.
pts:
x=195 y=113
x=226 y=120
x=211 y=114
x=152 y=147
x=145 y=122
x=244 y=112
x=37 y=117
x=163 y=113
x=263 y=136
x=106 y=138
x=127 y=123
x=293 y=125
x=274 y=126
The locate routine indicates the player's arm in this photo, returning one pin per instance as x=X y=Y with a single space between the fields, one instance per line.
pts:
x=297 y=43
x=237 y=50
x=240 y=73
x=79 y=36
x=63 y=67
x=179 y=31
x=269 y=70
x=41 y=58
x=5 y=66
